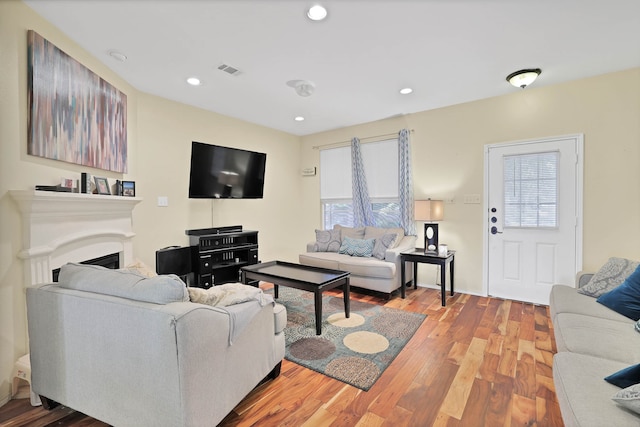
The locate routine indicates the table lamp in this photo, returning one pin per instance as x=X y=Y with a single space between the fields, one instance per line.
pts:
x=429 y=210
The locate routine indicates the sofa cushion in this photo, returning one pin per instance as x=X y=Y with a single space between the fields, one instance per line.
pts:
x=597 y=337
x=610 y=275
x=354 y=233
x=357 y=247
x=377 y=232
x=382 y=244
x=368 y=267
x=625 y=377
x=566 y=299
x=584 y=397
x=629 y=398
x=330 y=260
x=625 y=299
x=327 y=241
x=161 y=289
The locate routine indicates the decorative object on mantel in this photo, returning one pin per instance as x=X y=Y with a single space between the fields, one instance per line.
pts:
x=354 y=350
x=128 y=188
x=102 y=185
x=74 y=115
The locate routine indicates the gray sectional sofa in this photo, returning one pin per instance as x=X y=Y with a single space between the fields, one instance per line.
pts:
x=593 y=342
x=130 y=350
x=378 y=271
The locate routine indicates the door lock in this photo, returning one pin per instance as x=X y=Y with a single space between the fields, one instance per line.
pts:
x=494 y=230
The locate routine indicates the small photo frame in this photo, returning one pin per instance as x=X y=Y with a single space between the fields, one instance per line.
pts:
x=129 y=188
x=102 y=185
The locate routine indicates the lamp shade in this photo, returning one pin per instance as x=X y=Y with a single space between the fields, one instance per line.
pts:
x=429 y=210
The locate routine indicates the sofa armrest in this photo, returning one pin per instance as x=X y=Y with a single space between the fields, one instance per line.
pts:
x=311 y=246
x=582 y=278
x=406 y=244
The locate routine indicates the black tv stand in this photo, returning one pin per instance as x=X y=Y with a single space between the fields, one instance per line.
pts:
x=219 y=253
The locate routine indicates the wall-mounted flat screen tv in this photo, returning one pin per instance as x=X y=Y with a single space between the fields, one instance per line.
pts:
x=225 y=173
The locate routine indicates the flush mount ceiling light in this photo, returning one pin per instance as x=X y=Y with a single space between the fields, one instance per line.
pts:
x=298 y=118
x=406 y=91
x=523 y=78
x=194 y=81
x=302 y=87
x=317 y=13
x=118 y=56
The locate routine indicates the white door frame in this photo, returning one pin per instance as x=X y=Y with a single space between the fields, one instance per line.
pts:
x=579 y=200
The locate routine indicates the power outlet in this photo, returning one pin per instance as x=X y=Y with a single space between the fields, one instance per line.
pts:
x=449 y=200
x=163 y=201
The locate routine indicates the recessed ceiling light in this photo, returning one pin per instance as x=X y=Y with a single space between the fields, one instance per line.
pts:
x=317 y=13
x=194 y=81
x=298 y=118
x=118 y=56
x=406 y=90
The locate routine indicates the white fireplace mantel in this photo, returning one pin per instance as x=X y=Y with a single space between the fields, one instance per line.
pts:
x=69 y=227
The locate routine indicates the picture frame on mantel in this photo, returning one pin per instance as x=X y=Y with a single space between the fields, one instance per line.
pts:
x=129 y=188
x=102 y=185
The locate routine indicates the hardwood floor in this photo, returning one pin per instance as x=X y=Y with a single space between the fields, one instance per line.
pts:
x=476 y=362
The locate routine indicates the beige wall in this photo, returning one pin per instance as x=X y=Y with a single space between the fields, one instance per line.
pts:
x=159 y=136
x=166 y=130
x=447 y=151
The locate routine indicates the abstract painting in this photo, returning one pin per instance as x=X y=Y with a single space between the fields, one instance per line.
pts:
x=74 y=115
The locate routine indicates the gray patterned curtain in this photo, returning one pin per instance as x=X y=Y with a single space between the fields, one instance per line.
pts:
x=405 y=183
x=362 y=211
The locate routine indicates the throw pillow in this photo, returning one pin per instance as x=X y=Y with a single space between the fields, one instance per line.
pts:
x=625 y=299
x=141 y=268
x=625 y=377
x=327 y=241
x=377 y=232
x=629 y=398
x=610 y=275
x=357 y=247
x=382 y=244
x=354 y=233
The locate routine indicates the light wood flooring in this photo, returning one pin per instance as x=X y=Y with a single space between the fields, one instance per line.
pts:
x=476 y=362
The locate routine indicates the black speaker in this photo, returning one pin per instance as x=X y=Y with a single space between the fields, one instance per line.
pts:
x=431 y=237
x=174 y=260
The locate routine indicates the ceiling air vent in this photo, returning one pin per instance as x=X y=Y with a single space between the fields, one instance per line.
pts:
x=229 y=69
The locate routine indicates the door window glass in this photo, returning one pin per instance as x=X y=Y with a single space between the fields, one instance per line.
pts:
x=531 y=190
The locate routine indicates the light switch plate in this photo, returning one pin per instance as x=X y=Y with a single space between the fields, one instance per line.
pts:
x=163 y=201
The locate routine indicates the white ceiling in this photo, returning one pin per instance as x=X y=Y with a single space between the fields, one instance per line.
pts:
x=448 y=51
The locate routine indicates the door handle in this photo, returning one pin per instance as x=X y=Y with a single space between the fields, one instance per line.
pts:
x=494 y=230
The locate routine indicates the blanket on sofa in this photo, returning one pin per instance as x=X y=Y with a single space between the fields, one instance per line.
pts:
x=228 y=299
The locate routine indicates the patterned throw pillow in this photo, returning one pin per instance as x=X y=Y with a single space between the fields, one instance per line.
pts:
x=611 y=275
x=357 y=247
x=382 y=244
x=629 y=398
x=327 y=241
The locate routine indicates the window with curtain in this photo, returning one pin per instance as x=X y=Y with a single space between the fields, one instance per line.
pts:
x=531 y=190
x=381 y=168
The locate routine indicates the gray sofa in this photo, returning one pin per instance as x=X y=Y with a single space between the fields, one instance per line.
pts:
x=134 y=351
x=593 y=342
x=367 y=272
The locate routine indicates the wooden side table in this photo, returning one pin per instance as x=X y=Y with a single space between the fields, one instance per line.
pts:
x=419 y=255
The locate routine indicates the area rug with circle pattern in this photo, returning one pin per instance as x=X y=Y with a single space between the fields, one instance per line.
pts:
x=354 y=350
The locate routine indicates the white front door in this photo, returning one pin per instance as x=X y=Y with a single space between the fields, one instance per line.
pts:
x=533 y=235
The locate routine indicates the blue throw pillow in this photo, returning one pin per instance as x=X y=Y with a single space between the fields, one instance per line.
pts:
x=625 y=299
x=357 y=247
x=625 y=377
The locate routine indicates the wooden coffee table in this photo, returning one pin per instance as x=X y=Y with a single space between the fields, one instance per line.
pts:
x=307 y=278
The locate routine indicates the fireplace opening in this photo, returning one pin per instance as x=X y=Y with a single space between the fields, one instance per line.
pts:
x=109 y=261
